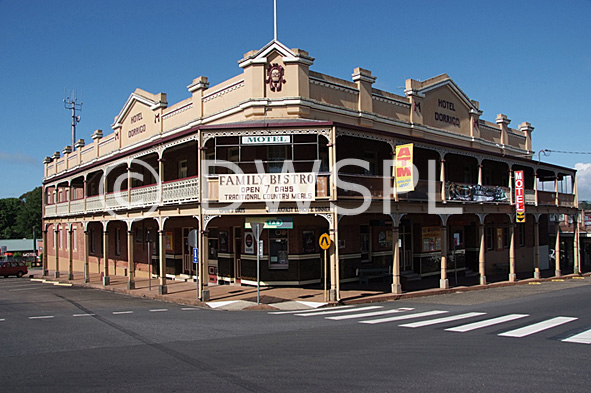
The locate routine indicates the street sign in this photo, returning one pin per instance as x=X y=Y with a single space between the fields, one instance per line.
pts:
x=520 y=217
x=324 y=241
x=257 y=228
x=195 y=255
x=193 y=238
x=270 y=222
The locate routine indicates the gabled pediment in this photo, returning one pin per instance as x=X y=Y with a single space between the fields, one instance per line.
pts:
x=443 y=81
x=142 y=98
x=288 y=55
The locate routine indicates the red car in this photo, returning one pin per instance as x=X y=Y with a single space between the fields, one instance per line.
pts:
x=18 y=269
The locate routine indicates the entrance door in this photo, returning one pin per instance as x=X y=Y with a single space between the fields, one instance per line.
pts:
x=237 y=254
x=405 y=248
x=188 y=265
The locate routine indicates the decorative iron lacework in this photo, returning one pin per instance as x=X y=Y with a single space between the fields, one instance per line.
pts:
x=223 y=91
x=207 y=135
x=364 y=135
x=179 y=142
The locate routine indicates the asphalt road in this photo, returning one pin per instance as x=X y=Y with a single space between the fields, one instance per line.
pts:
x=516 y=339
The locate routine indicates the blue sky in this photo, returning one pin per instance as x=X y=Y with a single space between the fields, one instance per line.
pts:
x=530 y=60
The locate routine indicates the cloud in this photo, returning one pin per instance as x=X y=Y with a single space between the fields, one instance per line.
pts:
x=584 y=180
x=18 y=158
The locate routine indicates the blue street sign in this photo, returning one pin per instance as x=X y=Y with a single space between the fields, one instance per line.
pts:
x=195 y=255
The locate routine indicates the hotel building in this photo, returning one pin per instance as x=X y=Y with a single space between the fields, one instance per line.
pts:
x=306 y=154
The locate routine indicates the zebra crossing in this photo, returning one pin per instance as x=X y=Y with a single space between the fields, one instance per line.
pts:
x=406 y=317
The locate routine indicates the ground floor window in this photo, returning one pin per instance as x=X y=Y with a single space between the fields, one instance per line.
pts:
x=278 y=249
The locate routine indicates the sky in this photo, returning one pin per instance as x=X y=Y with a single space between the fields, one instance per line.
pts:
x=530 y=60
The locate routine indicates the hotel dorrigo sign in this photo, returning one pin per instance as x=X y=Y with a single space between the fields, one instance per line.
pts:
x=261 y=187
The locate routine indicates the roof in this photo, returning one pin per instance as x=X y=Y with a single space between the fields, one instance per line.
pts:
x=13 y=245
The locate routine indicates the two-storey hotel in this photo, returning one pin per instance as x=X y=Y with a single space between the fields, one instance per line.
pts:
x=402 y=185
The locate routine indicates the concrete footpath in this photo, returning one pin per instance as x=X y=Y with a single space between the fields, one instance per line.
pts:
x=236 y=297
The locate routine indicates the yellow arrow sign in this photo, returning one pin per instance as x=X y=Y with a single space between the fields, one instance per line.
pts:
x=324 y=241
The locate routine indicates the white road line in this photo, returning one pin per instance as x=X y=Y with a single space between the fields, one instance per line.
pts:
x=189 y=309
x=486 y=323
x=83 y=315
x=402 y=317
x=581 y=338
x=122 y=312
x=339 y=311
x=303 y=311
x=369 y=314
x=538 y=327
x=42 y=317
x=159 y=310
x=442 y=320
x=2 y=320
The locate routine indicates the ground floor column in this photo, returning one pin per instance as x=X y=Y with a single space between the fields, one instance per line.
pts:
x=86 y=267
x=443 y=282
x=106 y=278
x=130 y=261
x=482 y=255
x=512 y=275
x=557 y=270
x=44 y=254
x=396 y=285
x=202 y=268
x=57 y=243
x=537 y=247
x=70 y=254
x=162 y=253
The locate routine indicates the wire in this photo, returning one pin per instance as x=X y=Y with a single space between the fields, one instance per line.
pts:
x=567 y=152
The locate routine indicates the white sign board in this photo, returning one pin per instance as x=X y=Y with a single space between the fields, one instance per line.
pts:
x=267 y=187
x=265 y=139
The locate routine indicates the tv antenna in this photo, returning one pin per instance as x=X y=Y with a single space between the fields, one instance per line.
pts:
x=72 y=104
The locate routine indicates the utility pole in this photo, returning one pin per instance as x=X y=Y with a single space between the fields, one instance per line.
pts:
x=73 y=105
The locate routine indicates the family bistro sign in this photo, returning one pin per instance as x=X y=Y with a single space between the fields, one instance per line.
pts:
x=259 y=187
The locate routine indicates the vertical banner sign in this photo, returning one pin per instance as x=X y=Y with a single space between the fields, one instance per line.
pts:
x=403 y=168
x=519 y=197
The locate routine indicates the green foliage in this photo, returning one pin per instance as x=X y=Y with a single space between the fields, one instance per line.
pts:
x=18 y=216
x=584 y=205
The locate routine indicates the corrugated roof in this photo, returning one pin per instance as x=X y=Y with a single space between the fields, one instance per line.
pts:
x=14 y=245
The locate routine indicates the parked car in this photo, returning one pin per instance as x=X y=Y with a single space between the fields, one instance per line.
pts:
x=13 y=268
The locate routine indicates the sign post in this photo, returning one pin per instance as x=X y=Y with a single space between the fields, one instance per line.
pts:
x=324 y=243
x=257 y=228
x=193 y=242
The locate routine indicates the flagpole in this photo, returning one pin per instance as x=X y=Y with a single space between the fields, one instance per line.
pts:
x=275 y=17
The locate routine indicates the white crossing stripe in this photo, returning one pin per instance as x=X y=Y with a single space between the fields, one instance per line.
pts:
x=302 y=311
x=159 y=310
x=402 y=317
x=189 y=309
x=122 y=312
x=42 y=317
x=581 y=338
x=369 y=314
x=442 y=320
x=486 y=323
x=83 y=315
x=538 y=327
x=339 y=311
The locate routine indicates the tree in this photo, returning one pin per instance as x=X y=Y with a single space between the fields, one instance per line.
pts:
x=18 y=216
x=9 y=209
x=30 y=214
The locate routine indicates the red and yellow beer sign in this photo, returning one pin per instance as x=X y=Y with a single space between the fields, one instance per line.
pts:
x=403 y=168
x=519 y=197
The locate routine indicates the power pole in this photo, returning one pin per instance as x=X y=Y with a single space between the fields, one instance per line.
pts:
x=73 y=105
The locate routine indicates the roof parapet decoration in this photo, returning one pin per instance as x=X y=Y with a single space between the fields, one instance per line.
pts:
x=153 y=101
x=289 y=56
x=436 y=82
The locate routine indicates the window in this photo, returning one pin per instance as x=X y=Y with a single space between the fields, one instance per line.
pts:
x=364 y=243
x=67 y=233
x=277 y=155
x=489 y=239
x=92 y=241
x=183 y=169
x=506 y=238
x=370 y=158
x=74 y=231
x=278 y=249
